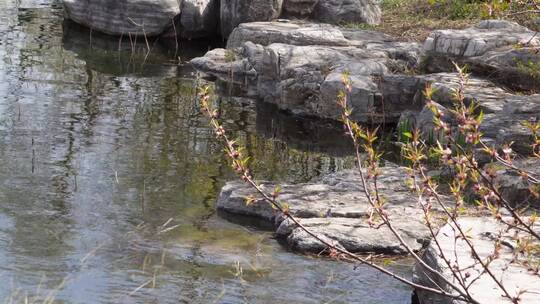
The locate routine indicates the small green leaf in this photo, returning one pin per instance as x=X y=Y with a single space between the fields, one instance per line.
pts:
x=388 y=262
x=407 y=134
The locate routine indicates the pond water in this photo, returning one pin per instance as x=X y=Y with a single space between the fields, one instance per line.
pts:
x=109 y=175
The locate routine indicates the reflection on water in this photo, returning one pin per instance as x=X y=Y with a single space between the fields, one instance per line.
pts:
x=108 y=176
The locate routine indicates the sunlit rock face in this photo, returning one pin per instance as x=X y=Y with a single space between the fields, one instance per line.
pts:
x=299 y=67
x=335 y=208
x=147 y=17
x=294 y=33
x=503 y=51
x=479 y=39
x=481 y=233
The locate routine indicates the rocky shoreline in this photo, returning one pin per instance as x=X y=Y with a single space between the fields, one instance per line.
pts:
x=291 y=54
x=298 y=66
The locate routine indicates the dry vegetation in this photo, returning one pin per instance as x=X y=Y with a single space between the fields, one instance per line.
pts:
x=413 y=20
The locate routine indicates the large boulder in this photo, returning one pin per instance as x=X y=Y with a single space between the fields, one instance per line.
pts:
x=299 y=67
x=336 y=208
x=508 y=266
x=199 y=18
x=362 y=98
x=136 y=17
x=303 y=33
x=295 y=33
x=347 y=11
x=334 y=11
x=501 y=50
x=293 y=77
x=234 y=12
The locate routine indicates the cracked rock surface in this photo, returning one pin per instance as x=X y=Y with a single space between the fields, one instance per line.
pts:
x=336 y=208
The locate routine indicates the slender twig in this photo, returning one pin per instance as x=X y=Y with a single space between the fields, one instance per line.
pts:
x=351 y=129
x=240 y=168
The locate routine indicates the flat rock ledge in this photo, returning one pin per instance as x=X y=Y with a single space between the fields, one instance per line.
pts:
x=482 y=232
x=299 y=66
x=503 y=51
x=335 y=208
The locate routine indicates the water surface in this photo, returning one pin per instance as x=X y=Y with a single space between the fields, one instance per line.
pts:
x=109 y=176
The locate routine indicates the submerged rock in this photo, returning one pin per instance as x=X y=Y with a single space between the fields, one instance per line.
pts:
x=336 y=208
x=136 y=17
x=482 y=232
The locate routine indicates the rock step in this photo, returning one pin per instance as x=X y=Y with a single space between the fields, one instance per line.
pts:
x=504 y=51
x=336 y=208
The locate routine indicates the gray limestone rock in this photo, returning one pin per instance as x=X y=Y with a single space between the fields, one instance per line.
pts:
x=136 y=17
x=481 y=232
x=515 y=67
x=479 y=39
x=302 y=75
x=287 y=32
x=336 y=207
x=234 y=12
x=502 y=51
x=347 y=11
